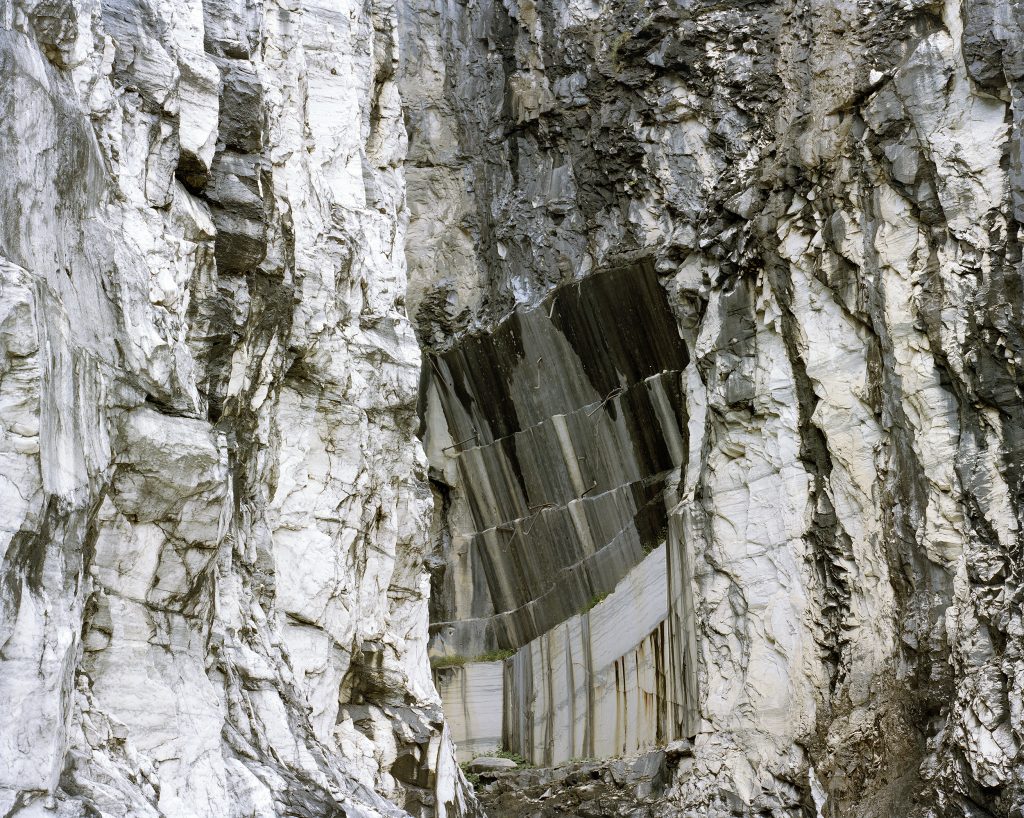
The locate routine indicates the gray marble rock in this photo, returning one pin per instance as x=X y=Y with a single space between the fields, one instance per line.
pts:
x=336 y=336
x=830 y=194
x=487 y=764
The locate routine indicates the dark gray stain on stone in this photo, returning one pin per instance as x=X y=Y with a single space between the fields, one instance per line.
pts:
x=614 y=328
x=566 y=419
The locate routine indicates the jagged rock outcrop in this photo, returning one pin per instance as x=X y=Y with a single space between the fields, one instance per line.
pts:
x=213 y=507
x=831 y=193
x=221 y=222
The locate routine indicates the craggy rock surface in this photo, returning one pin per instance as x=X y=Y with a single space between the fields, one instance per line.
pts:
x=832 y=193
x=214 y=511
x=213 y=506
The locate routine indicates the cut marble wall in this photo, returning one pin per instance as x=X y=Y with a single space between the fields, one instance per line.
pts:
x=602 y=684
x=473 y=698
x=561 y=442
x=559 y=453
x=831 y=194
x=613 y=681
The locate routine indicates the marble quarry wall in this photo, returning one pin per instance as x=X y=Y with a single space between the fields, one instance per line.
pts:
x=563 y=435
x=654 y=358
x=611 y=682
x=563 y=430
x=829 y=194
x=473 y=695
x=617 y=679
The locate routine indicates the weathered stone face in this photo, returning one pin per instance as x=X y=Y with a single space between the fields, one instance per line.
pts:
x=721 y=305
x=830 y=194
x=212 y=503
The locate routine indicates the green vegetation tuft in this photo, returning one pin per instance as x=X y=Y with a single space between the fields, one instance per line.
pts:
x=472 y=778
x=455 y=660
x=594 y=601
x=447 y=661
x=495 y=655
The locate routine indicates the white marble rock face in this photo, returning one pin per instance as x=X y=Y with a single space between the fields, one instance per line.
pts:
x=212 y=502
x=229 y=227
x=832 y=195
